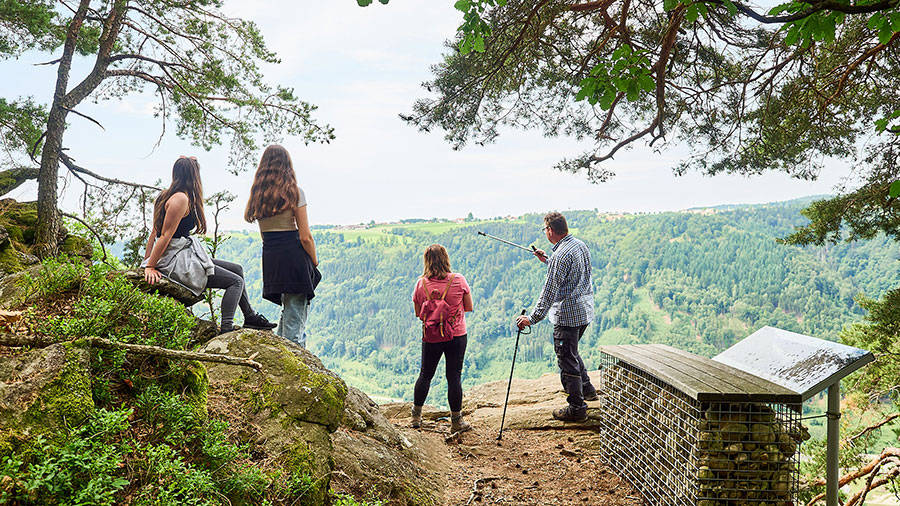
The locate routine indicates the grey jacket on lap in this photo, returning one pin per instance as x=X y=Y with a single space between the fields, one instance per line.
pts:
x=186 y=262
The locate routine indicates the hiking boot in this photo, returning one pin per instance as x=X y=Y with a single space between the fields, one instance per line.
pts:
x=258 y=322
x=570 y=414
x=224 y=329
x=457 y=424
x=416 y=417
x=591 y=396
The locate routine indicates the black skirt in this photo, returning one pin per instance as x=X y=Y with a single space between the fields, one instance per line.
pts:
x=287 y=267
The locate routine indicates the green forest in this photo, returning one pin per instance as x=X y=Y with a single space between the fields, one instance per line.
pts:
x=699 y=280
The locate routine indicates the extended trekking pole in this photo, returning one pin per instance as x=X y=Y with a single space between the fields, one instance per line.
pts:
x=504 y=241
x=509 y=385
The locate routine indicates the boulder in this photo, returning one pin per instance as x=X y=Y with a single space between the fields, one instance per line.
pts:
x=531 y=404
x=295 y=402
x=12 y=290
x=375 y=458
x=164 y=287
x=42 y=391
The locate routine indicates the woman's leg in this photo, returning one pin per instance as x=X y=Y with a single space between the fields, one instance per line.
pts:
x=294 y=310
x=234 y=286
x=243 y=302
x=431 y=355
x=454 y=354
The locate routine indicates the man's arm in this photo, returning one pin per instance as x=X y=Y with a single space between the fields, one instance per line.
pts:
x=549 y=292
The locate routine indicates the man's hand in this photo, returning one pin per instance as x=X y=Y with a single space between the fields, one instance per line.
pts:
x=151 y=275
x=539 y=253
x=522 y=321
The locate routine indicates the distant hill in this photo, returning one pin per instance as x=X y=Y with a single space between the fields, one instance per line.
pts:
x=697 y=281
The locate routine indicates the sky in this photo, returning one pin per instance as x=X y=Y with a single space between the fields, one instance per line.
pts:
x=362 y=67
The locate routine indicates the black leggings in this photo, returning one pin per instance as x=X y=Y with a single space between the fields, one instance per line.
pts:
x=454 y=351
x=230 y=276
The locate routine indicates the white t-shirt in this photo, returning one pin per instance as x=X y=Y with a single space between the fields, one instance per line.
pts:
x=284 y=221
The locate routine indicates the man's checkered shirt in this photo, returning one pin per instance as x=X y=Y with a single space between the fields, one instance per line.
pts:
x=568 y=295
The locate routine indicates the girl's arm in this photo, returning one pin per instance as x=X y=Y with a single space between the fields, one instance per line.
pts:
x=306 y=238
x=468 y=305
x=176 y=209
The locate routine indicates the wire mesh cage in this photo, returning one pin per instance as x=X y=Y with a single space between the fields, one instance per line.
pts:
x=690 y=448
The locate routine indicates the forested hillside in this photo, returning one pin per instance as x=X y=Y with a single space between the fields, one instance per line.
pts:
x=697 y=280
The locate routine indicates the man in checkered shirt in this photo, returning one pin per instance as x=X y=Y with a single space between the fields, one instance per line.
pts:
x=568 y=300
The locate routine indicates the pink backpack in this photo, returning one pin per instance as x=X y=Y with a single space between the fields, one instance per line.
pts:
x=437 y=316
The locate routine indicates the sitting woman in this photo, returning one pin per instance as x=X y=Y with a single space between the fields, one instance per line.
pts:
x=172 y=251
x=441 y=291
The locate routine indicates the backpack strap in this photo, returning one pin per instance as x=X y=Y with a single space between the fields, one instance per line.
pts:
x=425 y=287
x=447 y=289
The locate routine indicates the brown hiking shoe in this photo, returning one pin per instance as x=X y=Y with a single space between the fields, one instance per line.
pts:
x=457 y=424
x=570 y=414
x=591 y=396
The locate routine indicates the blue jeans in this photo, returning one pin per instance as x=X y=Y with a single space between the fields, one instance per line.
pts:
x=294 y=310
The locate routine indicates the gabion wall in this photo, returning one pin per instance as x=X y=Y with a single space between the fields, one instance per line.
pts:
x=679 y=451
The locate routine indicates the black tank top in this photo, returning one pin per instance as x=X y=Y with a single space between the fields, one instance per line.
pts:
x=184 y=226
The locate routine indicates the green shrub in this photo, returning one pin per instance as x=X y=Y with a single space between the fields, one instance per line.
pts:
x=81 y=469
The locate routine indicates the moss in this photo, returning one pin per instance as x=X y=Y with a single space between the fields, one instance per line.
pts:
x=9 y=259
x=193 y=383
x=15 y=233
x=75 y=245
x=305 y=462
x=67 y=400
x=329 y=407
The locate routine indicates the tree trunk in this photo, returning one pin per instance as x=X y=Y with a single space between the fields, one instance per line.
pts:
x=46 y=237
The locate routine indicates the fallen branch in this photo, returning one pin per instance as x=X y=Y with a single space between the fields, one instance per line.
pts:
x=7 y=339
x=475 y=492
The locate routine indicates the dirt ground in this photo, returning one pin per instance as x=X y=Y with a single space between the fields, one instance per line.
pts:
x=528 y=467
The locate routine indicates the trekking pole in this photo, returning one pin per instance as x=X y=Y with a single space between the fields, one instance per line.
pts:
x=504 y=241
x=509 y=385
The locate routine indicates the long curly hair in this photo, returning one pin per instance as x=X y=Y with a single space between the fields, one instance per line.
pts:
x=437 y=262
x=185 y=178
x=274 y=189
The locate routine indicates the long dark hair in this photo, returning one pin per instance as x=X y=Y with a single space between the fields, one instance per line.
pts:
x=185 y=178
x=437 y=262
x=274 y=189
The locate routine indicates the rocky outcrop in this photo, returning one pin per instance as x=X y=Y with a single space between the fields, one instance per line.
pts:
x=374 y=457
x=18 y=223
x=306 y=416
x=42 y=391
x=295 y=402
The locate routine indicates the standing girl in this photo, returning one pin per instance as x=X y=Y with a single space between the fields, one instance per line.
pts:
x=438 y=283
x=289 y=259
x=173 y=252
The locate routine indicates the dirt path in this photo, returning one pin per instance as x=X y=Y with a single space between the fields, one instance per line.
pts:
x=538 y=462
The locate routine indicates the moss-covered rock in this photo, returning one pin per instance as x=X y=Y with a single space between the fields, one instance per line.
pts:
x=19 y=220
x=294 y=401
x=77 y=246
x=44 y=390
